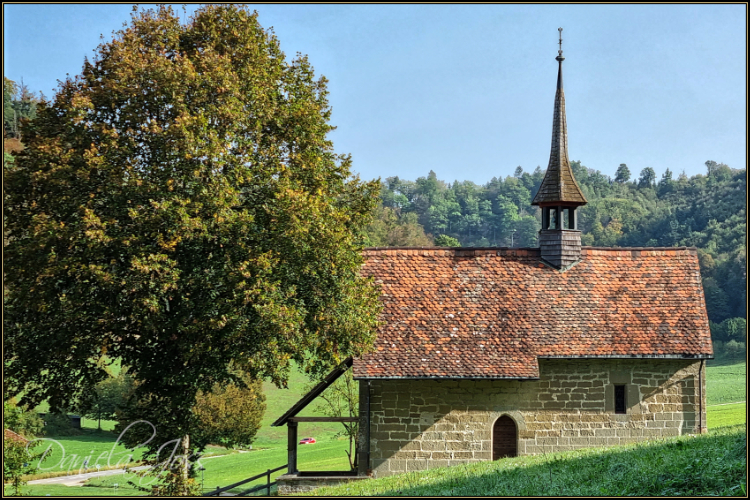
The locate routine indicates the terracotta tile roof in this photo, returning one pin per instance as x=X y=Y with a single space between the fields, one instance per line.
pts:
x=491 y=312
x=12 y=436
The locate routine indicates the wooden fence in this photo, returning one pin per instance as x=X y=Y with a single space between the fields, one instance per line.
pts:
x=218 y=491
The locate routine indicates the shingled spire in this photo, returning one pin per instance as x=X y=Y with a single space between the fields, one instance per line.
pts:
x=559 y=194
x=559 y=185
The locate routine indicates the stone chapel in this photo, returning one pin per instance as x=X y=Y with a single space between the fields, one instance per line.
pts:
x=487 y=353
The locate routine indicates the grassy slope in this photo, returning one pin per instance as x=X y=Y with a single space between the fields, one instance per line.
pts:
x=278 y=401
x=710 y=464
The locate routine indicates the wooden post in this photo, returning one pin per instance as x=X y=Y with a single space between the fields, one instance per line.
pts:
x=292 y=447
x=268 y=483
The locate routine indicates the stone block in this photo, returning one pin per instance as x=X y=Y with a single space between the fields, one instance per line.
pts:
x=412 y=446
x=438 y=463
x=433 y=445
x=432 y=436
x=581 y=441
x=415 y=465
x=397 y=465
x=554 y=405
x=388 y=447
x=390 y=427
x=400 y=436
x=454 y=436
x=456 y=445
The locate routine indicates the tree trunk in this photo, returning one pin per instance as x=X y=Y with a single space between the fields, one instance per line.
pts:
x=185 y=464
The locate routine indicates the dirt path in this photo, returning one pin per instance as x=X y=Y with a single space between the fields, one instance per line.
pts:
x=79 y=479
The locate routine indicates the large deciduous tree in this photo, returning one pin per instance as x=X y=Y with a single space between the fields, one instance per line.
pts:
x=179 y=206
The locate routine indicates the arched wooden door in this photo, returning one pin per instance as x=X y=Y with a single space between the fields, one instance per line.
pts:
x=504 y=438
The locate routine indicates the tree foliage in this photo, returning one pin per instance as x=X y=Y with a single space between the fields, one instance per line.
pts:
x=179 y=206
x=19 y=103
x=623 y=174
x=22 y=420
x=443 y=240
x=231 y=415
x=17 y=459
x=110 y=396
x=391 y=228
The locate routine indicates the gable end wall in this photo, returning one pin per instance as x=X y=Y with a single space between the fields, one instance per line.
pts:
x=423 y=424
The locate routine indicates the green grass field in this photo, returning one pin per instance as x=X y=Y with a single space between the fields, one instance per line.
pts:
x=709 y=464
x=70 y=452
x=229 y=469
x=74 y=491
x=269 y=449
x=726 y=415
x=726 y=383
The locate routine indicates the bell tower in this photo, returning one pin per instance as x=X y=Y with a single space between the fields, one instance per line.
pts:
x=559 y=194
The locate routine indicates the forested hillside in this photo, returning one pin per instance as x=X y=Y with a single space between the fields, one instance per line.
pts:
x=704 y=211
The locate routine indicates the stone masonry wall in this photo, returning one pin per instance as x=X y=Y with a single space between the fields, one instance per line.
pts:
x=421 y=424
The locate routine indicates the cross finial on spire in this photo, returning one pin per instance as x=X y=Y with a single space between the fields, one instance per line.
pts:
x=559 y=52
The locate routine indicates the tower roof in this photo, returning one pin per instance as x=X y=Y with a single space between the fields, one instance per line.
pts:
x=559 y=185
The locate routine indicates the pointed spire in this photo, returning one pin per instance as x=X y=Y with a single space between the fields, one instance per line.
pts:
x=559 y=186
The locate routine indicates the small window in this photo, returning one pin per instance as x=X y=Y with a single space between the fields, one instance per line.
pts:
x=620 y=399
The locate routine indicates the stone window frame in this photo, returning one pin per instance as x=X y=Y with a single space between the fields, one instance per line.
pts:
x=517 y=418
x=632 y=394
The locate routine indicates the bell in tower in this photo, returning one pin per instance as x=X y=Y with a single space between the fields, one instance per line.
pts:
x=559 y=194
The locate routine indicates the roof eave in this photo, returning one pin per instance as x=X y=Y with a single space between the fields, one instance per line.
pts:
x=632 y=356
x=453 y=377
x=314 y=392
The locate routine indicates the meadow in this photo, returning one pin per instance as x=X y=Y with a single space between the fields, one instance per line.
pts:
x=726 y=382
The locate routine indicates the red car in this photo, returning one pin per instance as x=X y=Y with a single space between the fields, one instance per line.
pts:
x=307 y=441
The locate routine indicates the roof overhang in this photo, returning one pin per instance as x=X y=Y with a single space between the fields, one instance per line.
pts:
x=314 y=392
x=634 y=356
x=446 y=378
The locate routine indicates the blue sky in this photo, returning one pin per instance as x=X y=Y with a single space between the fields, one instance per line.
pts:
x=468 y=90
